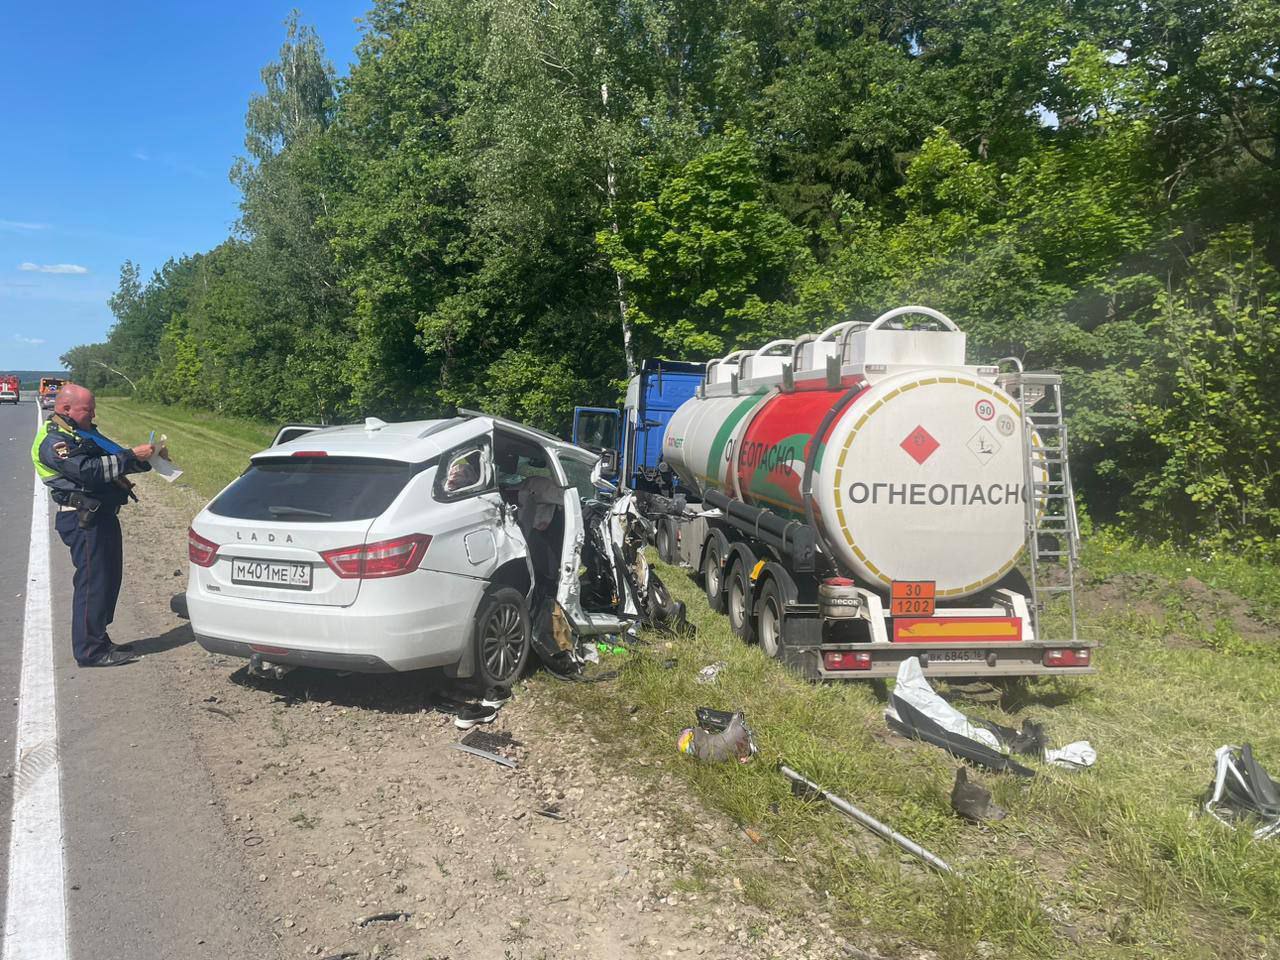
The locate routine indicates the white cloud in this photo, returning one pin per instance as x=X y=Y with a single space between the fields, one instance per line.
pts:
x=141 y=154
x=22 y=225
x=52 y=268
x=29 y=341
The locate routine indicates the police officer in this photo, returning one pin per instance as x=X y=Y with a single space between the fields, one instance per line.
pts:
x=85 y=473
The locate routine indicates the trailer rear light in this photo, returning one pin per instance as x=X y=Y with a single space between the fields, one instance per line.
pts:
x=200 y=551
x=1067 y=658
x=387 y=558
x=846 y=660
x=838 y=582
x=310 y=453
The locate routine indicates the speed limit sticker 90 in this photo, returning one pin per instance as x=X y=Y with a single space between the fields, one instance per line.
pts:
x=985 y=409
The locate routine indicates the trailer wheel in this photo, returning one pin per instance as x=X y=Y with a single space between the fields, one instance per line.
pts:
x=664 y=538
x=741 y=617
x=713 y=574
x=771 y=619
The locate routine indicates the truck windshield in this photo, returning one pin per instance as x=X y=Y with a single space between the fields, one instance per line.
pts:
x=313 y=490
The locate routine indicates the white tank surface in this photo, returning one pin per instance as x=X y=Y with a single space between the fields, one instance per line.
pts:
x=914 y=459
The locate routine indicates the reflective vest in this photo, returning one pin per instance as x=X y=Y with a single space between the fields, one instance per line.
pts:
x=44 y=472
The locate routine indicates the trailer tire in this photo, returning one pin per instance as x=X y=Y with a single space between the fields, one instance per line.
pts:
x=713 y=573
x=738 y=601
x=771 y=619
x=664 y=538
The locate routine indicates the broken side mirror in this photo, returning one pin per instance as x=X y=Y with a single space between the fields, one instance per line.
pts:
x=604 y=471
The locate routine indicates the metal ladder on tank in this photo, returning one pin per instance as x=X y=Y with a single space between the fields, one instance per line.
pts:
x=1052 y=530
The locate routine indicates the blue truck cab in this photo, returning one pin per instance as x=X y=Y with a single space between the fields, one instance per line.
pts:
x=636 y=430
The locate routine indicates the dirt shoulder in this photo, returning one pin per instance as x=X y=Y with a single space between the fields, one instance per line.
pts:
x=346 y=800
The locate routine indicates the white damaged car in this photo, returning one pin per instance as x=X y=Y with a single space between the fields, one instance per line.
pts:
x=389 y=547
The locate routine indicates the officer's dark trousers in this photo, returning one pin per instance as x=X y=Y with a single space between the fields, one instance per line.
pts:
x=98 y=555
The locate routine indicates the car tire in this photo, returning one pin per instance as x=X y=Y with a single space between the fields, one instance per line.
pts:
x=502 y=637
x=738 y=602
x=713 y=574
x=771 y=621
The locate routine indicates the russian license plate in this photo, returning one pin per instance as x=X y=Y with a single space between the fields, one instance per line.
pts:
x=271 y=573
x=956 y=656
x=912 y=598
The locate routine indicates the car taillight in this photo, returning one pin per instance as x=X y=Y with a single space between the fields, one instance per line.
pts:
x=200 y=551
x=1067 y=658
x=846 y=660
x=387 y=558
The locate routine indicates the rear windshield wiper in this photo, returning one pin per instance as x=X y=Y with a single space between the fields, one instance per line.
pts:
x=297 y=511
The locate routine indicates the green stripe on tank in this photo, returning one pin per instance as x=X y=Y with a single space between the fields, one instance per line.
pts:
x=726 y=431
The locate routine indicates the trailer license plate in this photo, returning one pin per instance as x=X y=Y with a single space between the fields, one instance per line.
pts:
x=962 y=656
x=266 y=573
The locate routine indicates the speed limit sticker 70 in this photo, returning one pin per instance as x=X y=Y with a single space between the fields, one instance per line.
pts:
x=985 y=409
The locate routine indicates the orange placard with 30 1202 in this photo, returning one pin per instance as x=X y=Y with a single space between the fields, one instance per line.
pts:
x=911 y=598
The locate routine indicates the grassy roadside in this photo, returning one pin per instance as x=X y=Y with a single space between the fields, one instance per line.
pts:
x=1110 y=863
x=211 y=450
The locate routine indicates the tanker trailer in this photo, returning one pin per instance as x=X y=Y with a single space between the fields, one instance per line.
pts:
x=865 y=495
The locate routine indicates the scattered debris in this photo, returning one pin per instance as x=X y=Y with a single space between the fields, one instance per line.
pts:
x=973 y=801
x=252 y=841
x=344 y=955
x=669 y=663
x=915 y=710
x=552 y=813
x=713 y=720
x=486 y=740
x=1030 y=741
x=486 y=754
x=754 y=835
x=220 y=712
x=1074 y=756
x=725 y=739
x=808 y=788
x=1242 y=790
x=710 y=672
x=378 y=917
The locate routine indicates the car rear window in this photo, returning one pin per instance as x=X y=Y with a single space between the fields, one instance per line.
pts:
x=313 y=490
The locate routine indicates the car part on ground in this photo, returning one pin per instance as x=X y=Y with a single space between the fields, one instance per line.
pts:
x=972 y=800
x=915 y=710
x=1242 y=791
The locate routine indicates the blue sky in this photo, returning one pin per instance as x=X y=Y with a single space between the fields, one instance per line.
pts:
x=120 y=123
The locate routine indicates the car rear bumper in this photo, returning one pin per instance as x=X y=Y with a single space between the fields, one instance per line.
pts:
x=420 y=620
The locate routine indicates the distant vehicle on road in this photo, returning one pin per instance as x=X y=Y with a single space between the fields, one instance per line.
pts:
x=49 y=387
x=9 y=389
x=383 y=547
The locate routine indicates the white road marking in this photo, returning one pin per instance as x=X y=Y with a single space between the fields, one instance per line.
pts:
x=35 y=924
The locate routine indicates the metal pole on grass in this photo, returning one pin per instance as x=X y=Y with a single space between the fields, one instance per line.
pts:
x=868 y=821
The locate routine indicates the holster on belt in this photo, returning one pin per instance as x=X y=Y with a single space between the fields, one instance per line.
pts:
x=86 y=509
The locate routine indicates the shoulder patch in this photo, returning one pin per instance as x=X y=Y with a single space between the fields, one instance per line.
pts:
x=60 y=448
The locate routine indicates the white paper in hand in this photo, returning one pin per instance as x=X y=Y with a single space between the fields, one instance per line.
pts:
x=163 y=467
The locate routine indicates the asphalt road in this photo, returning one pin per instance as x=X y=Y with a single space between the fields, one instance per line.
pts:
x=151 y=871
x=17 y=424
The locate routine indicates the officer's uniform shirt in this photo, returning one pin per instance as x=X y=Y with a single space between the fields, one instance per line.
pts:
x=72 y=460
